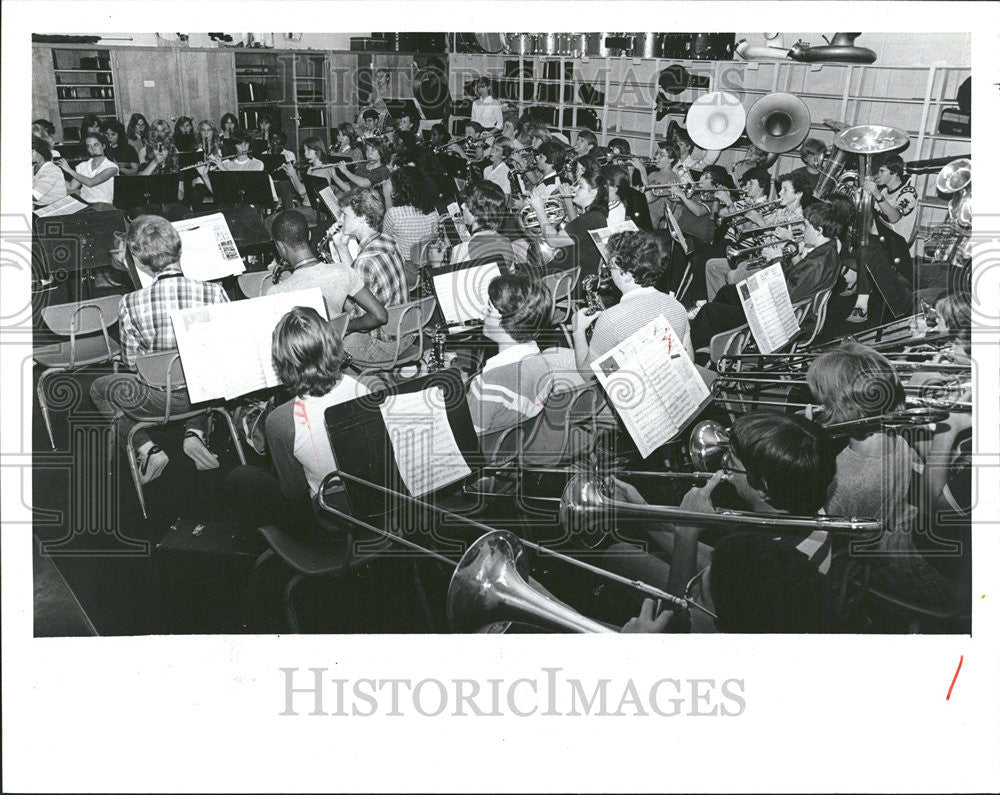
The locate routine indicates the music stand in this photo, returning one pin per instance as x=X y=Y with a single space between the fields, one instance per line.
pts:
x=273 y=164
x=461 y=291
x=258 y=146
x=362 y=447
x=145 y=191
x=246 y=227
x=242 y=187
x=228 y=147
x=79 y=242
x=185 y=159
x=895 y=289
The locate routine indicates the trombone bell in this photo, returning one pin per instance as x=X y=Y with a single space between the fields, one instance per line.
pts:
x=490 y=584
x=708 y=444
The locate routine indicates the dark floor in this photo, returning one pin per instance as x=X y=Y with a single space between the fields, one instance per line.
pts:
x=98 y=568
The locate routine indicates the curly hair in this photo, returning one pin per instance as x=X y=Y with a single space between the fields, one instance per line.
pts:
x=412 y=186
x=487 y=204
x=639 y=254
x=306 y=352
x=366 y=203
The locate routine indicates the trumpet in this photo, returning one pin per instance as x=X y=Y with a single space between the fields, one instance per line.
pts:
x=762 y=206
x=754 y=230
x=733 y=253
x=618 y=157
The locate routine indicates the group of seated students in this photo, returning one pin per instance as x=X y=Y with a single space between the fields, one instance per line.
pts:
x=387 y=220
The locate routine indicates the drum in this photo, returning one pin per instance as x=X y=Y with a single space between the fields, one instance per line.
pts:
x=593 y=45
x=565 y=43
x=492 y=42
x=829 y=173
x=524 y=43
x=645 y=45
x=550 y=43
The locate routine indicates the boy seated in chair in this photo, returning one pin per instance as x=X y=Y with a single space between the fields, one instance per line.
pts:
x=145 y=327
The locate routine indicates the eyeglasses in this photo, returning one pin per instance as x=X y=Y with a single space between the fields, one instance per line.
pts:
x=727 y=464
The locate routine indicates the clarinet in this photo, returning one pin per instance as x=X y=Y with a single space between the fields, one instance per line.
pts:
x=438 y=339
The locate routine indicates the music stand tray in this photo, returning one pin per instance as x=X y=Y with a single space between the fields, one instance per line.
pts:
x=242 y=187
x=140 y=191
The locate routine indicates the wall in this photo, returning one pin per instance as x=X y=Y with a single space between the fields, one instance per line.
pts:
x=315 y=41
x=894 y=49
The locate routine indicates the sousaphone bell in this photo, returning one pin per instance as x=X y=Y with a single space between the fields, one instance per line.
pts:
x=716 y=120
x=778 y=122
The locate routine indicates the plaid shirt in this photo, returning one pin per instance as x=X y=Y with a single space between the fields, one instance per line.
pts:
x=145 y=314
x=407 y=225
x=379 y=264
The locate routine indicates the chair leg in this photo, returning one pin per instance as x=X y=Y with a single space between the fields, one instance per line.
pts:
x=133 y=465
x=263 y=558
x=293 y=621
x=232 y=432
x=40 y=391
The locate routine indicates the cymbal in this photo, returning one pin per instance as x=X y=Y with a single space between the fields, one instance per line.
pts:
x=870 y=139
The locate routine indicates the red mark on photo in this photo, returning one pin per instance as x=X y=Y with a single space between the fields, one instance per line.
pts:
x=948 y=697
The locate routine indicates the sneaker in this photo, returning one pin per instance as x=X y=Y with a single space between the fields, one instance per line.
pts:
x=152 y=464
x=196 y=449
x=858 y=315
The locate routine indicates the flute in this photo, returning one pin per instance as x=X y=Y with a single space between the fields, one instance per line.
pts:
x=207 y=163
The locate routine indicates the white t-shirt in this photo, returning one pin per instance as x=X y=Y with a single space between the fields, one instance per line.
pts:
x=105 y=192
x=499 y=175
x=312 y=445
x=616 y=214
x=488 y=112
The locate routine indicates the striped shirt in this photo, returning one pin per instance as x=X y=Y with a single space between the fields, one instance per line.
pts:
x=144 y=316
x=48 y=184
x=512 y=388
x=637 y=307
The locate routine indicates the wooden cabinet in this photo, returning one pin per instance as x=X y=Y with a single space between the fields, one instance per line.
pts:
x=207 y=86
x=148 y=83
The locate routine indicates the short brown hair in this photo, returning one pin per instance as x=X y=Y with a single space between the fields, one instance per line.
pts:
x=154 y=243
x=524 y=304
x=487 y=203
x=306 y=352
x=853 y=382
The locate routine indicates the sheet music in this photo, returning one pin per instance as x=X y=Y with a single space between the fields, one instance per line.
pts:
x=768 y=308
x=226 y=348
x=463 y=294
x=208 y=250
x=423 y=445
x=653 y=384
x=600 y=236
x=330 y=200
x=67 y=205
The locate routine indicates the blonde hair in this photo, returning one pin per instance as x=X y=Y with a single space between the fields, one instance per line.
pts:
x=854 y=382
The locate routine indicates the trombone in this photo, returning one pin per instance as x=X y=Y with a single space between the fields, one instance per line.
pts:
x=490 y=580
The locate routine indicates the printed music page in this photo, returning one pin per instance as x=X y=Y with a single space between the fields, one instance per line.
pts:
x=226 y=348
x=600 y=236
x=423 y=444
x=462 y=294
x=208 y=250
x=652 y=383
x=765 y=300
x=67 y=205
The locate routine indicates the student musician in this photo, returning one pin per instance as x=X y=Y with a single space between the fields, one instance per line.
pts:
x=369 y=124
x=242 y=162
x=378 y=262
x=791 y=195
x=343 y=288
x=624 y=202
x=483 y=211
x=346 y=146
x=119 y=149
x=498 y=172
x=549 y=160
x=228 y=125
x=370 y=174
x=812 y=153
x=894 y=200
x=777 y=464
x=318 y=168
x=145 y=327
x=307 y=356
x=695 y=213
x=159 y=156
x=590 y=196
x=184 y=137
x=93 y=178
x=47 y=182
x=586 y=144
x=515 y=383
x=137 y=131
x=413 y=216
x=487 y=111
x=635 y=264
x=283 y=186
x=815 y=268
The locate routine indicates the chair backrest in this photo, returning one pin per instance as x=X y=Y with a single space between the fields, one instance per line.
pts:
x=564 y=428
x=83 y=317
x=729 y=342
x=162 y=369
x=252 y=284
x=408 y=319
x=561 y=287
x=811 y=315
